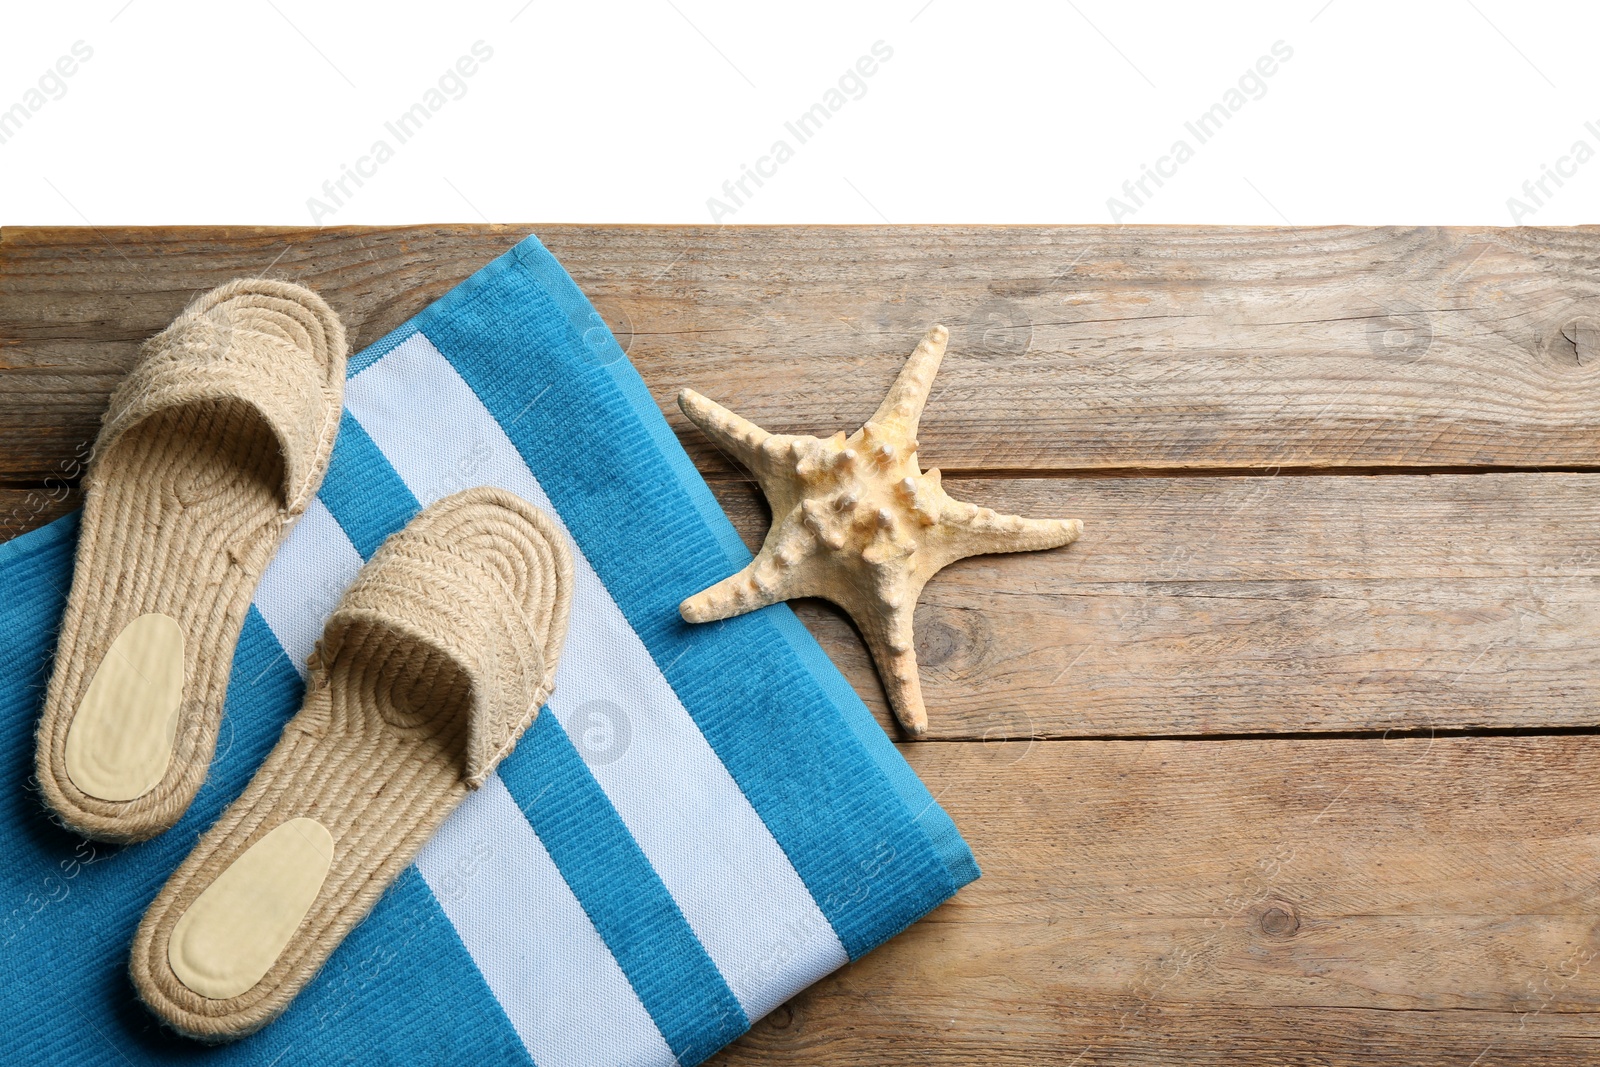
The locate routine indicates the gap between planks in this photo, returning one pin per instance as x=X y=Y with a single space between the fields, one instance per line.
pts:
x=952 y=473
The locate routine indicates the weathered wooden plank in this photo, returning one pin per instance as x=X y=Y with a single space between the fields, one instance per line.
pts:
x=1240 y=605
x=1419 y=901
x=1258 y=605
x=1074 y=347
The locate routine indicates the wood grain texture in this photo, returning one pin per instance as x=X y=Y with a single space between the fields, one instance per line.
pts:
x=1333 y=480
x=1420 y=901
x=1257 y=605
x=1073 y=347
x=26 y=508
x=1237 y=606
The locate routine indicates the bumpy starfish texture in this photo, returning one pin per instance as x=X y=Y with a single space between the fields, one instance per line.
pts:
x=856 y=521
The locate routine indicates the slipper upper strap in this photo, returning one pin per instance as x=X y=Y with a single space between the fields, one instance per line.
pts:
x=417 y=592
x=273 y=345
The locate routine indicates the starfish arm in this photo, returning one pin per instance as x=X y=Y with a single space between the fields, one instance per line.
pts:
x=901 y=410
x=771 y=457
x=734 y=434
x=745 y=591
x=888 y=637
x=981 y=531
x=782 y=570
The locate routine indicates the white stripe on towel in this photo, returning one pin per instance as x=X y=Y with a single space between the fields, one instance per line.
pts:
x=554 y=977
x=541 y=956
x=728 y=875
x=303 y=583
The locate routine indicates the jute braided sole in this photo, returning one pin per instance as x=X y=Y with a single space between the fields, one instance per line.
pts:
x=215 y=441
x=433 y=665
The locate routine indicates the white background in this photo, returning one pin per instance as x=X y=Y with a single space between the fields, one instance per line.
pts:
x=1387 y=112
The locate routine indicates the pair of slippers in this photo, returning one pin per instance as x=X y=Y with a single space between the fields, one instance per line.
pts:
x=433 y=664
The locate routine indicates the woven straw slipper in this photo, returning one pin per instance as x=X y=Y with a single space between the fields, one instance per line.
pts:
x=429 y=670
x=212 y=445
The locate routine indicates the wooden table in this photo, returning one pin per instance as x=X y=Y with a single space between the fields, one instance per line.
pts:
x=1289 y=760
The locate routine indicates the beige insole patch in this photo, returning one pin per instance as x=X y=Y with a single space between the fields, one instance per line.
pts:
x=236 y=929
x=120 y=740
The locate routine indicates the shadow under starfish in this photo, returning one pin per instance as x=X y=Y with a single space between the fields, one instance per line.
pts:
x=856 y=521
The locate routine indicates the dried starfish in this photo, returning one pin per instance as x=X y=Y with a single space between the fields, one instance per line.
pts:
x=857 y=522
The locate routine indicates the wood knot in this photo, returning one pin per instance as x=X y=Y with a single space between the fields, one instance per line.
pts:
x=1280 y=920
x=1582 y=337
x=937 y=641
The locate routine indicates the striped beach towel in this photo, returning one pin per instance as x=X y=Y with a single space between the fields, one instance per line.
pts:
x=704 y=821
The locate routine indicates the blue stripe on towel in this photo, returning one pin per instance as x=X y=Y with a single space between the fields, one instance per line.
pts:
x=363 y=492
x=861 y=852
x=624 y=898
